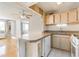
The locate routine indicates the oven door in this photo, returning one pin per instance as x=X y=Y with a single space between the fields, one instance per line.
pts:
x=74 y=50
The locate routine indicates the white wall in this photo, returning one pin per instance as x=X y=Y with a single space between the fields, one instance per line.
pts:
x=36 y=24
x=10 y=11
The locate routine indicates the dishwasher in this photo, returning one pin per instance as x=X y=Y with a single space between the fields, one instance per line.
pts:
x=74 y=46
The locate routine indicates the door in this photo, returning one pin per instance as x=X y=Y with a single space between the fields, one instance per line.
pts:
x=11 y=28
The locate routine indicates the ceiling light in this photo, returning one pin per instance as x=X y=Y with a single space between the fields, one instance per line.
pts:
x=58 y=3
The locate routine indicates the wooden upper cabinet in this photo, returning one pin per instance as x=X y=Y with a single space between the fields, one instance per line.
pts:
x=64 y=18
x=49 y=19
x=72 y=16
x=57 y=18
x=77 y=14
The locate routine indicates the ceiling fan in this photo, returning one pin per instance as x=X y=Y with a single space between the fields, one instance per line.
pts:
x=22 y=14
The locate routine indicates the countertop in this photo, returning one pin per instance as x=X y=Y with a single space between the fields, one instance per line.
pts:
x=37 y=37
x=76 y=35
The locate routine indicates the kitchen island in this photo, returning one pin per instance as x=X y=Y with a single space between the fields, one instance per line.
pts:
x=35 y=46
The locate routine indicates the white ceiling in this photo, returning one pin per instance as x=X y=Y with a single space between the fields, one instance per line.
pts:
x=52 y=7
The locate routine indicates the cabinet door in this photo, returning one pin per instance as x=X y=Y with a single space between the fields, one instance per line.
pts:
x=72 y=16
x=65 y=43
x=47 y=45
x=56 y=41
x=57 y=18
x=64 y=18
x=78 y=14
x=32 y=49
x=61 y=42
x=39 y=49
x=22 y=48
x=68 y=44
x=49 y=19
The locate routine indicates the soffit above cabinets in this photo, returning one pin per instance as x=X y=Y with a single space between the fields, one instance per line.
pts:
x=28 y=4
x=52 y=7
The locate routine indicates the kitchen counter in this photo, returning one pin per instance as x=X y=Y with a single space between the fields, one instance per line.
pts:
x=76 y=35
x=36 y=37
x=64 y=32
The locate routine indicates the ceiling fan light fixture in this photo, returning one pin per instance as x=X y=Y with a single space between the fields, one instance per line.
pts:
x=22 y=17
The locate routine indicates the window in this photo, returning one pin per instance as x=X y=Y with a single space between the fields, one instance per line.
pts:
x=25 y=28
x=2 y=27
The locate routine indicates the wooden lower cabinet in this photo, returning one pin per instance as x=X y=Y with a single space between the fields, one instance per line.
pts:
x=61 y=42
x=65 y=43
x=56 y=42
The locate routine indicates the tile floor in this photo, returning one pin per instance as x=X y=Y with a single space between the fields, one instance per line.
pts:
x=59 y=53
